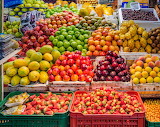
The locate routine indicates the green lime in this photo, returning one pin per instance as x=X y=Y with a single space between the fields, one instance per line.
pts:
x=81 y=38
x=79 y=47
x=71 y=32
x=70 y=49
x=61 y=37
x=74 y=44
x=66 y=44
x=63 y=30
x=71 y=41
x=51 y=38
x=86 y=41
x=84 y=50
x=85 y=46
x=65 y=34
x=69 y=37
x=73 y=27
x=76 y=29
x=86 y=36
x=69 y=28
x=56 y=48
x=87 y=32
x=55 y=41
x=57 y=33
x=59 y=44
x=61 y=49
x=82 y=43
x=63 y=27
x=82 y=31
x=78 y=42
x=74 y=37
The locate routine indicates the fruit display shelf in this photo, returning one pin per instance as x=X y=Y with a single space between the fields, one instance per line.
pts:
x=118 y=120
x=148 y=90
x=56 y=86
x=60 y=119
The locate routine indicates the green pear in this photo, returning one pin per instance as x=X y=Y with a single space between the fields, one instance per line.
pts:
x=18 y=34
x=9 y=31
x=21 y=5
x=24 y=9
x=8 y=23
x=14 y=30
x=20 y=13
x=12 y=13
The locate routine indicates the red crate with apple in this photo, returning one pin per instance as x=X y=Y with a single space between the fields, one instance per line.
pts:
x=104 y=107
x=111 y=71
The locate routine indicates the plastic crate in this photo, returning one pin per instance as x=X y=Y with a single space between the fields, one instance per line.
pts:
x=57 y=120
x=108 y=120
x=152 y=124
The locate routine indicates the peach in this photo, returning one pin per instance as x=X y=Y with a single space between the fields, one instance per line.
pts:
x=138 y=74
x=153 y=74
x=158 y=74
x=142 y=80
x=154 y=58
x=147 y=56
x=134 y=66
x=157 y=79
x=133 y=76
x=144 y=74
x=138 y=68
x=132 y=71
x=136 y=81
x=91 y=48
x=139 y=63
x=149 y=79
x=156 y=69
x=157 y=63
x=148 y=60
x=145 y=65
x=148 y=69
x=58 y=78
x=151 y=64
x=105 y=48
x=142 y=58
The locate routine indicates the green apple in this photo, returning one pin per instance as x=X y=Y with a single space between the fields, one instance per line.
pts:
x=10 y=26
x=16 y=26
x=31 y=9
x=20 y=13
x=36 y=5
x=24 y=9
x=9 y=31
x=12 y=13
x=42 y=5
x=21 y=5
x=28 y=5
x=42 y=2
x=14 y=23
x=45 y=6
x=16 y=9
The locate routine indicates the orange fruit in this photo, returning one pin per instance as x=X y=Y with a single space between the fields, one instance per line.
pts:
x=91 y=48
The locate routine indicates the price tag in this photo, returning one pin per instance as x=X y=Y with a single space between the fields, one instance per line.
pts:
x=135 y=6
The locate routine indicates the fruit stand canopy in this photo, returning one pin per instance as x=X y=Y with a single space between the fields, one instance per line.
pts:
x=12 y=3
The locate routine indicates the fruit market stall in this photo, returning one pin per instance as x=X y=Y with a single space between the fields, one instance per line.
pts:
x=80 y=63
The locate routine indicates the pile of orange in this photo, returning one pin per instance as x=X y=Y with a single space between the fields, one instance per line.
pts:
x=102 y=40
x=50 y=5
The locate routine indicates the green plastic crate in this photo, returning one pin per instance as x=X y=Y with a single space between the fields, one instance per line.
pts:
x=57 y=120
x=153 y=124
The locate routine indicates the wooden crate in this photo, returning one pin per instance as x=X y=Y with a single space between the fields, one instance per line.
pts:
x=58 y=86
x=148 y=90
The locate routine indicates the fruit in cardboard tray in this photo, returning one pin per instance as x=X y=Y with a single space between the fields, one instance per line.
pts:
x=129 y=14
x=112 y=71
x=103 y=40
x=154 y=36
x=146 y=70
x=134 y=38
x=104 y=101
x=25 y=70
x=12 y=28
x=59 y=9
x=152 y=106
x=47 y=104
x=72 y=64
x=92 y=23
x=70 y=39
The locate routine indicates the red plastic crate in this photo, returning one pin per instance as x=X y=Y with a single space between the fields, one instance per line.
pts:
x=108 y=120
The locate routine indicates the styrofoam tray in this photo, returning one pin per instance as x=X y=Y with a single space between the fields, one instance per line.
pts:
x=139 y=21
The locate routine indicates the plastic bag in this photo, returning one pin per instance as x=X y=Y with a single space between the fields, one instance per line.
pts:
x=12 y=3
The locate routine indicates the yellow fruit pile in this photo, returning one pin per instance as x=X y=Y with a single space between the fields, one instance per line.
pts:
x=135 y=38
x=152 y=110
x=146 y=70
x=32 y=68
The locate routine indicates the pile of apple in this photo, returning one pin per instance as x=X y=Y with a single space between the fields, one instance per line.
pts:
x=103 y=40
x=71 y=66
x=65 y=18
x=146 y=69
x=104 y=101
x=36 y=38
x=47 y=104
x=112 y=68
